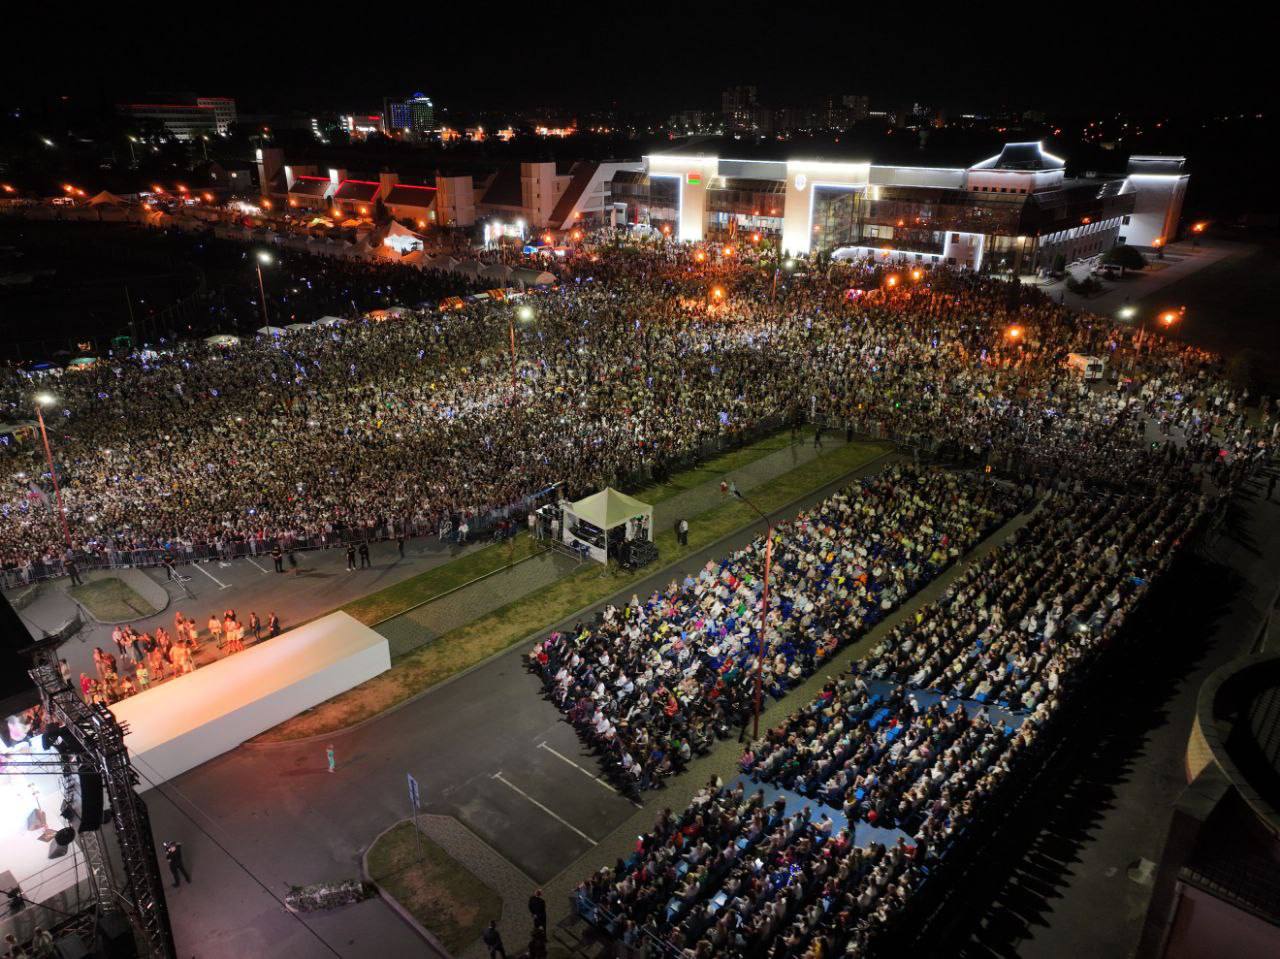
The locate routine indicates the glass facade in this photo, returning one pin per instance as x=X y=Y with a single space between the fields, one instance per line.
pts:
x=737 y=205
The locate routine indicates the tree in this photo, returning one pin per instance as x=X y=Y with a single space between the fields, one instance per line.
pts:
x=1125 y=257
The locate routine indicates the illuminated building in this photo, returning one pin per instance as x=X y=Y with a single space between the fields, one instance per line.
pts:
x=1017 y=211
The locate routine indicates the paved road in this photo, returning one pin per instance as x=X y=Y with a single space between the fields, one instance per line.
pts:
x=476 y=744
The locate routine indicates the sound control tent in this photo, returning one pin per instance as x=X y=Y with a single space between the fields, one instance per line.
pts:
x=589 y=523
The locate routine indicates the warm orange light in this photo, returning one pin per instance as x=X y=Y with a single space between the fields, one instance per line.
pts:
x=1015 y=332
x=336 y=212
x=157 y=188
x=755 y=237
x=577 y=234
x=68 y=187
x=917 y=273
x=728 y=251
x=1169 y=317
x=546 y=238
x=208 y=197
x=267 y=204
x=666 y=230
x=700 y=256
x=364 y=210
x=1158 y=242
x=181 y=188
x=422 y=224
x=1086 y=220
x=717 y=293
x=292 y=202
x=7 y=188
x=1199 y=227
x=890 y=281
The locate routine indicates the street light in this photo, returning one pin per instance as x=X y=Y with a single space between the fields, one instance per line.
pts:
x=42 y=400
x=525 y=315
x=263 y=258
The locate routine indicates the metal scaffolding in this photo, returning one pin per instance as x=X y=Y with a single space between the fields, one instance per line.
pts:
x=99 y=740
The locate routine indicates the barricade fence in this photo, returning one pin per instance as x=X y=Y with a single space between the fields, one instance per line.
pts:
x=495 y=524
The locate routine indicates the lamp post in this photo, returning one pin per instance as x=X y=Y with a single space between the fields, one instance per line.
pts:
x=524 y=314
x=764 y=609
x=43 y=399
x=263 y=257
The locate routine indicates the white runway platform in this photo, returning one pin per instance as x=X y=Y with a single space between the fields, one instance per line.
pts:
x=190 y=720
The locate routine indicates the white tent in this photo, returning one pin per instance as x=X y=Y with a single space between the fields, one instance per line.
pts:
x=588 y=521
x=329 y=321
x=106 y=198
x=222 y=339
x=271 y=331
x=294 y=327
x=533 y=277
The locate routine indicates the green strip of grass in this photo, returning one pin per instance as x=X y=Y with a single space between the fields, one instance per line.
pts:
x=111 y=600
x=425 y=587
x=442 y=894
x=416 y=590
x=713 y=468
x=462 y=648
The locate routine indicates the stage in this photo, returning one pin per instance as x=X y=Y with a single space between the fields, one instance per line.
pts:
x=190 y=720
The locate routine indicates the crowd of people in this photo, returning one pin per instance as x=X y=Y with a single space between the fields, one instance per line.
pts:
x=622 y=370
x=146 y=659
x=654 y=682
x=917 y=738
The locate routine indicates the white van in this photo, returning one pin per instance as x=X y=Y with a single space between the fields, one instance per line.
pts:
x=1089 y=367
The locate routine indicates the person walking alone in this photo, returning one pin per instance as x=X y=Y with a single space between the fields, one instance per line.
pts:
x=277 y=557
x=493 y=939
x=364 y=555
x=351 y=557
x=173 y=854
x=538 y=909
x=682 y=531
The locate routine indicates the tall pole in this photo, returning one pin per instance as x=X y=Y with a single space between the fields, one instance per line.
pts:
x=511 y=326
x=764 y=612
x=764 y=628
x=53 y=473
x=263 y=291
x=133 y=327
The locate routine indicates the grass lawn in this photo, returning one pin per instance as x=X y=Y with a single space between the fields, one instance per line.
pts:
x=464 y=647
x=111 y=600
x=425 y=587
x=437 y=890
x=714 y=469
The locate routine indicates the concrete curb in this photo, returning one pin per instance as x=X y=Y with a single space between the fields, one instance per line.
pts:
x=346 y=730
x=391 y=900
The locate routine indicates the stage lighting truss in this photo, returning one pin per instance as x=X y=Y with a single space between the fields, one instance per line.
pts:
x=99 y=742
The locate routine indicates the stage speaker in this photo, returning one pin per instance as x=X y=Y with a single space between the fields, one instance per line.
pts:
x=90 y=801
x=115 y=937
x=70 y=946
x=63 y=838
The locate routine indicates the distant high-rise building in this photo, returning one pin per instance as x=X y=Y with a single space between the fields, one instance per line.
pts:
x=738 y=104
x=185 y=118
x=422 y=114
x=415 y=116
x=224 y=111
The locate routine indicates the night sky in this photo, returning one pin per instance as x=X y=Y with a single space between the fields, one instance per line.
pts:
x=651 y=56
